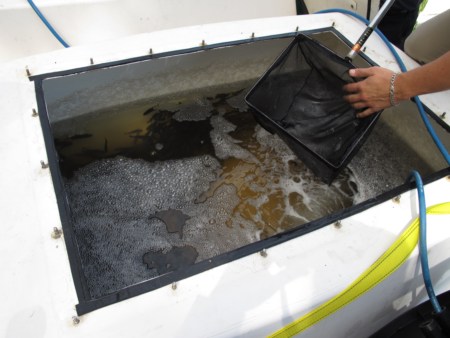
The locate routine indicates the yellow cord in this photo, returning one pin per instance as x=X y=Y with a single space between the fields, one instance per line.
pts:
x=395 y=256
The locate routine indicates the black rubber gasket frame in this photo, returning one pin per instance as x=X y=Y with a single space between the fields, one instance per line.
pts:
x=86 y=302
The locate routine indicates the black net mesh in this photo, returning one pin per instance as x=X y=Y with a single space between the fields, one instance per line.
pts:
x=301 y=98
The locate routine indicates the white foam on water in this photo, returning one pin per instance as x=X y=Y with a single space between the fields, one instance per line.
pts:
x=198 y=110
x=224 y=145
x=114 y=200
x=316 y=199
x=207 y=230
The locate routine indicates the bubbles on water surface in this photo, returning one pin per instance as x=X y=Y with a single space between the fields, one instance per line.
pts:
x=247 y=186
x=199 y=109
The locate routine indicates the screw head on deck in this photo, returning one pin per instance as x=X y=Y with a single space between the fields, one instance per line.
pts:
x=44 y=165
x=56 y=233
x=396 y=199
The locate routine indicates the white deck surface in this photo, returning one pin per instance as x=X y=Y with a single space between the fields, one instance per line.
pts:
x=252 y=296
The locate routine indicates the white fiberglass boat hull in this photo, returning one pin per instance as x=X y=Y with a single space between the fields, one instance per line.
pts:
x=81 y=22
x=251 y=296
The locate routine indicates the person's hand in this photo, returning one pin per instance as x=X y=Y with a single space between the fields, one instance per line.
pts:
x=371 y=94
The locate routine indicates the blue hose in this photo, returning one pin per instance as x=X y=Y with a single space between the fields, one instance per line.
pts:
x=402 y=66
x=420 y=191
x=45 y=21
x=423 y=243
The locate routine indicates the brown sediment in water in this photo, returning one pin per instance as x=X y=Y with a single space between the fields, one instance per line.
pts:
x=198 y=174
x=258 y=179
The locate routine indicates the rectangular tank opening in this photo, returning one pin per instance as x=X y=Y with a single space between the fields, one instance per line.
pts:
x=163 y=166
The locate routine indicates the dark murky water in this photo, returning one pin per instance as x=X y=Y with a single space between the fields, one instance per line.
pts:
x=151 y=185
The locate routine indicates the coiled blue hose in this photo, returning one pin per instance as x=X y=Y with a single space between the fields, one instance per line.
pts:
x=414 y=174
x=49 y=26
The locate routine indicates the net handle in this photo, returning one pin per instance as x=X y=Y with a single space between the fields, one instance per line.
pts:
x=370 y=28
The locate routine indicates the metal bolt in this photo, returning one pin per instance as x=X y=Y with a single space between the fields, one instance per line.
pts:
x=443 y=115
x=151 y=51
x=396 y=199
x=44 y=165
x=364 y=49
x=56 y=233
x=75 y=320
x=338 y=224
x=34 y=113
x=263 y=253
x=203 y=44
x=334 y=23
x=296 y=29
x=92 y=61
x=174 y=286
x=28 y=71
x=253 y=35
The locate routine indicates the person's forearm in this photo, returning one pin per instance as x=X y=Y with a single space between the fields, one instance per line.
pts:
x=429 y=78
x=374 y=92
